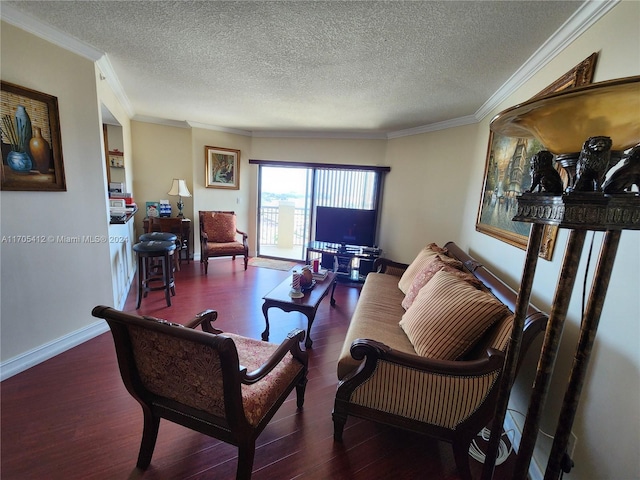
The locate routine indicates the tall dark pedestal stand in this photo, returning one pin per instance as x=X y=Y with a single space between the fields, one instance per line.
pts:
x=579 y=212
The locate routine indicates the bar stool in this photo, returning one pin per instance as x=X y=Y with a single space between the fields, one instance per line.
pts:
x=162 y=237
x=147 y=275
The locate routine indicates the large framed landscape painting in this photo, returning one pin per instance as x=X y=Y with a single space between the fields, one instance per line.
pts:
x=31 y=142
x=506 y=174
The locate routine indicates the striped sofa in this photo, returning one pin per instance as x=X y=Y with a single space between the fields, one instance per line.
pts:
x=426 y=357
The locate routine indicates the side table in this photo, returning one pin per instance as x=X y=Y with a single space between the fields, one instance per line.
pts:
x=186 y=233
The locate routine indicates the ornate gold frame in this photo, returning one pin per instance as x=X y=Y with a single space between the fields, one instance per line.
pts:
x=581 y=74
x=222 y=168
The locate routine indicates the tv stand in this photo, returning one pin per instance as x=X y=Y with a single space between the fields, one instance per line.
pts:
x=340 y=259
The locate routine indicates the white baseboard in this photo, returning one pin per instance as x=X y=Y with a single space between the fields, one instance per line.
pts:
x=22 y=362
x=515 y=434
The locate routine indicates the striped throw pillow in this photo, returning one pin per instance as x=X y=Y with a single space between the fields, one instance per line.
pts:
x=448 y=316
x=423 y=258
x=427 y=273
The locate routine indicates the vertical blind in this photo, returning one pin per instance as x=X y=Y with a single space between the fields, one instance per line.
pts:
x=346 y=188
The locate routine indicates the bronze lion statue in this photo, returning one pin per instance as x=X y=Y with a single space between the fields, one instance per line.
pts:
x=593 y=164
x=544 y=176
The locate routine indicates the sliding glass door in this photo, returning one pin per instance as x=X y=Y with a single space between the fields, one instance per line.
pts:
x=289 y=194
x=284 y=206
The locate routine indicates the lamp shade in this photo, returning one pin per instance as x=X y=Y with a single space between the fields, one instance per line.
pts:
x=562 y=121
x=179 y=187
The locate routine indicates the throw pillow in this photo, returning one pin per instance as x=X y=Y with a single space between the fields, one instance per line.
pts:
x=220 y=227
x=427 y=273
x=448 y=316
x=424 y=256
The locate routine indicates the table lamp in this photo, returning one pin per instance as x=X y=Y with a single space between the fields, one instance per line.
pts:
x=179 y=188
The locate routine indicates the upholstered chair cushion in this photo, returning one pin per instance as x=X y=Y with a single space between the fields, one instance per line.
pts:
x=448 y=316
x=220 y=227
x=435 y=265
x=259 y=397
x=422 y=259
x=222 y=249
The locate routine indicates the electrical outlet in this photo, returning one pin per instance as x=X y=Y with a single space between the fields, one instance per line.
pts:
x=571 y=445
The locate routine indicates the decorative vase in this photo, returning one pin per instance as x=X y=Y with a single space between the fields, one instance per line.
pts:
x=19 y=161
x=23 y=128
x=40 y=152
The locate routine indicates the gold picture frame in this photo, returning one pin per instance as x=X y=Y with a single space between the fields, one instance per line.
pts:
x=31 y=142
x=222 y=168
x=506 y=174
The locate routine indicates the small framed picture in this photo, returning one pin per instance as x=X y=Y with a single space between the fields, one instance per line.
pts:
x=222 y=168
x=116 y=159
x=153 y=209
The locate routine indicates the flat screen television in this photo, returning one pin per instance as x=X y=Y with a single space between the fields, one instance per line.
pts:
x=346 y=226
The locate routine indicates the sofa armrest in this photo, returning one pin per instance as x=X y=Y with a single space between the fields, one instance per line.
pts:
x=436 y=392
x=371 y=351
x=384 y=265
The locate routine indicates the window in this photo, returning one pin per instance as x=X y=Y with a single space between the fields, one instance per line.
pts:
x=289 y=193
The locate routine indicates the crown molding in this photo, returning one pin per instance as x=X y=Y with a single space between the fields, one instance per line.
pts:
x=433 y=127
x=161 y=121
x=589 y=13
x=206 y=126
x=66 y=41
x=112 y=79
x=318 y=134
x=49 y=33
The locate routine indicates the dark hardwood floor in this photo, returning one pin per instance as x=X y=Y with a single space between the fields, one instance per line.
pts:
x=71 y=417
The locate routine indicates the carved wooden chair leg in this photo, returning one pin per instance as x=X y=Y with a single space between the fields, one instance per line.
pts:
x=246 y=452
x=461 y=455
x=339 y=421
x=300 y=389
x=149 y=436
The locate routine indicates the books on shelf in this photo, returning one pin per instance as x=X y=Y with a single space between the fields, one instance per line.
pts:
x=321 y=274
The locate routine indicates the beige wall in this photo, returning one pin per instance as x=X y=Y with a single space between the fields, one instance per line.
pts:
x=160 y=154
x=48 y=290
x=221 y=198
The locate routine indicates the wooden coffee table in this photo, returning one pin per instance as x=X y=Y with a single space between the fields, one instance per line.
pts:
x=307 y=305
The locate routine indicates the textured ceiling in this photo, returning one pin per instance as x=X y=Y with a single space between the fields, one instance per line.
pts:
x=338 y=66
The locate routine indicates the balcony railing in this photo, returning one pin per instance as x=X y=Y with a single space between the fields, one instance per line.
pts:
x=270 y=223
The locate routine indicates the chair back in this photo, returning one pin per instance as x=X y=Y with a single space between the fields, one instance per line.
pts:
x=220 y=226
x=166 y=363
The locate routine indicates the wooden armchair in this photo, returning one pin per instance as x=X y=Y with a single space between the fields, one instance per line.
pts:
x=218 y=237
x=222 y=385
